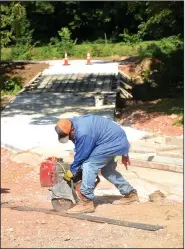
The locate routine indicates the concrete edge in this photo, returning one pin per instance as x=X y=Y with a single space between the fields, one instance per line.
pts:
x=176 y=140
x=153 y=158
x=17 y=150
x=142 y=151
x=166 y=154
x=146 y=150
x=159 y=166
x=31 y=81
x=10 y=147
x=155 y=135
x=136 y=163
x=168 y=149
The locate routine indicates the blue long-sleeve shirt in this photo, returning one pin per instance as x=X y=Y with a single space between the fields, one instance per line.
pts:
x=97 y=137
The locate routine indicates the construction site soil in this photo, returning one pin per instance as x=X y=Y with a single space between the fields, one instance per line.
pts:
x=20 y=185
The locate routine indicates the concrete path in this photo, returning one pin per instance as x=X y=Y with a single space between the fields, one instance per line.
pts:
x=158 y=152
x=79 y=66
x=27 y=124
x=146 y=181
x=34 y=115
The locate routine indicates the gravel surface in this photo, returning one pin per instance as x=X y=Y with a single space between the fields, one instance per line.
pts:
x=20 y=186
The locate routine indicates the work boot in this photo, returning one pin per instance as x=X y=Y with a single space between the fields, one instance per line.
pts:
x=129 y=198
x=83 y=206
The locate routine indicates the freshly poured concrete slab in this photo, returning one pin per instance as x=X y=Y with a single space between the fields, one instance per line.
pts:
x=28 y=122
x=79 y=66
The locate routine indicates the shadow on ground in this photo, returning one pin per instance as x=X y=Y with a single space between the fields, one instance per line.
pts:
x=45 y=108
x=106 y=199
x=73 y=83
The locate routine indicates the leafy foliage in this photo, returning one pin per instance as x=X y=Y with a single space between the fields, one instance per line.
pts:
x=130 y=38
x=79 y=51
x=164 y=18
x=91 y=21
x=20 y=25
x=6 y=32
x=10 y=85
x=20 y=52
x=64 y=43
x=169 y=78
x=58 y=24
x=18 y=30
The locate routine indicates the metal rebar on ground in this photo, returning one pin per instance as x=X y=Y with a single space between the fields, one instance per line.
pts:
x=97 y=219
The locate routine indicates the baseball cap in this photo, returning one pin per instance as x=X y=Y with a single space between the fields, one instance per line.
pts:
x=63 y=128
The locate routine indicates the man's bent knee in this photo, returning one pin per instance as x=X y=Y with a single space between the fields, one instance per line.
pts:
x=108 y=170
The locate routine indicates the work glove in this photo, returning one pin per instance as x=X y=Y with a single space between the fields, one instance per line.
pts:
x=68 y=175
x=126 y=161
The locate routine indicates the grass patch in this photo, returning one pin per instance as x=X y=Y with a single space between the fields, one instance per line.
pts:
x=80 y=51
x=6 y=53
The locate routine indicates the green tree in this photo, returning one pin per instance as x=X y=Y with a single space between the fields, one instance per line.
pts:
x=20 y=24
x=164 y=18
x=90 y=21
x=6 y=20
x=64 y=43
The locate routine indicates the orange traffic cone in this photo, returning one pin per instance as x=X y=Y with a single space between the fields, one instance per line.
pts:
x=66 y=60
x=88 y=59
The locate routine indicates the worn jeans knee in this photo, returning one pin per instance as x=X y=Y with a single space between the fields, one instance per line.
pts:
x=107 y=165
x=109 y=172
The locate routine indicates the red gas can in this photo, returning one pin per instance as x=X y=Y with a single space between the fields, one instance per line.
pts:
x=48 y=172
x=52 y=171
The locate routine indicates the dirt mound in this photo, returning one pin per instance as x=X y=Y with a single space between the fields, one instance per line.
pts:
x=136 y=69
x=157 y=196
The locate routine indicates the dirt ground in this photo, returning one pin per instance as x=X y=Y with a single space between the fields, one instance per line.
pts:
x=20 y=185
x=25 y=71
x=155 y=122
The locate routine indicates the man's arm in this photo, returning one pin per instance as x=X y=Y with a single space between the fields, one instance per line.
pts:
x=84 y=147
